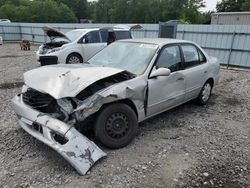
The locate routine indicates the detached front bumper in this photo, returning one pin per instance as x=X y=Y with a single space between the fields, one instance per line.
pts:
x=78 y=150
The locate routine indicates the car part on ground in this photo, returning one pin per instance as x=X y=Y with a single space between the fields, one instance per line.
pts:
x=25 y=45
x=124 y=84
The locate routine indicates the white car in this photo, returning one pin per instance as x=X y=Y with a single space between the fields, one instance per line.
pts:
x=1 y=40
x=5 y=21
x=79 y=45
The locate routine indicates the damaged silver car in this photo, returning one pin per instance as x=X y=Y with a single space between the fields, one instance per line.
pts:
x=127 y=82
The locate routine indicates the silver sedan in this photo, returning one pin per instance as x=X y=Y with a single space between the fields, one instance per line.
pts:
x=124 y=84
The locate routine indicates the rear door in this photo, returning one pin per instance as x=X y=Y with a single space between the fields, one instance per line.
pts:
x=93 y=44
x=195 y=70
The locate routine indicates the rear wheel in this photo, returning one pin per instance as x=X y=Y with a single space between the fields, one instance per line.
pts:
x=205 y=94
x=116 y=125
x=74 y=59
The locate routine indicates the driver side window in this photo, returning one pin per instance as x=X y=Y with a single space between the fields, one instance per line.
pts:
x=92 y=37
x=170 y=58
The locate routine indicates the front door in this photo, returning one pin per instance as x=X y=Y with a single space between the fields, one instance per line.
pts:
x=92 y=45
x=165 y=92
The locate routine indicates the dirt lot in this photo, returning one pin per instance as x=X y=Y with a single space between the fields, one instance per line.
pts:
x=189 y=146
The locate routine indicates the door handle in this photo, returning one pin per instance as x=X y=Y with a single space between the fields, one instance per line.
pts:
x=180 y=79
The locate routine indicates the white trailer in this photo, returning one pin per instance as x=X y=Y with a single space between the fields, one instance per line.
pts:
x=230 y=18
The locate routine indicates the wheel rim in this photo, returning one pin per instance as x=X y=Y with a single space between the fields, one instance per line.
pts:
x=117 y=125
x=74 y=60
x=206 y=92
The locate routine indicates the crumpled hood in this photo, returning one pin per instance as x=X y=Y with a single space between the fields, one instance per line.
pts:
x=62 y=81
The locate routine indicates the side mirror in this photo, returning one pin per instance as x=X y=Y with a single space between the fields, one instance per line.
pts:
x=85 y=41
x=160 y=72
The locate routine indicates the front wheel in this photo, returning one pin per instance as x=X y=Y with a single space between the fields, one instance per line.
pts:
x=74 y=59
x=116 y=125
x=205 y=94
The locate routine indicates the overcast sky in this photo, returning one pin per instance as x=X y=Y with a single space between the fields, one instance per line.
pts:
x=210 y=5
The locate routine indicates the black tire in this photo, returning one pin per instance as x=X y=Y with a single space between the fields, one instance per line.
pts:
x=116 y=125
x=74 y=59
x=205 y=93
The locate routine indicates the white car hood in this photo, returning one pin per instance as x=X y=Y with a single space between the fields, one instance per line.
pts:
x=53 y=33
x=62 y=81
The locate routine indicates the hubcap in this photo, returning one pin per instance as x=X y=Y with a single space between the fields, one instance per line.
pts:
x=117 y=125
x=74 y=60
x=206 y=92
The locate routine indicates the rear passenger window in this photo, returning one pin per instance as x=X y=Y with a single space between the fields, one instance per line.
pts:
x=122 y=35
x=170 y=58
x=93 y=37
x=191 y=56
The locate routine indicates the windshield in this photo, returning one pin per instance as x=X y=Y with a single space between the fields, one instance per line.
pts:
x=133 y=57
x=74 y=34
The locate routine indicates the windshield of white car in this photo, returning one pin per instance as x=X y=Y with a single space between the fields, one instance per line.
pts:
x=129 y=56
x=75 y=34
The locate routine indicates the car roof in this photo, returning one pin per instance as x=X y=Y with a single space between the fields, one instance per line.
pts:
x=97 y=29
x=157 y=41
x=85 y=30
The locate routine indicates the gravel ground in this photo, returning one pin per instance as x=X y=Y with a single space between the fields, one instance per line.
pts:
x=189 y=146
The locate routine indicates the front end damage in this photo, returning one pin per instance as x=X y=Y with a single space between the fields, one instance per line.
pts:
x=77 y=149
x=56 y=121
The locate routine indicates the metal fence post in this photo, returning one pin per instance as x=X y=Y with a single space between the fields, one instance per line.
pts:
x=3 y=32
x=44 y=36
x=231 y=49
x=183 y=35
x=32 y=34
x=145 y=33
x=21 y=33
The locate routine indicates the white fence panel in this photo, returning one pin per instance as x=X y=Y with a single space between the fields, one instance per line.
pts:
x=229 y=43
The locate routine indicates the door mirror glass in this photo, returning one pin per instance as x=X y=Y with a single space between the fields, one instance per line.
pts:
x=160 y=72
x=84 y=41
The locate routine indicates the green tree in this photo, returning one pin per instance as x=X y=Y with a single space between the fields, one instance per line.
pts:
x=47 y=11
x=246 y=5
x=230 y=5
x=79 y=7
x=191 y=12
x=103 y=11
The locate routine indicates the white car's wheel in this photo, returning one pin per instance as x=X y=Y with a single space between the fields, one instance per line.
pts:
x=205 y=93
x=74 y=59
